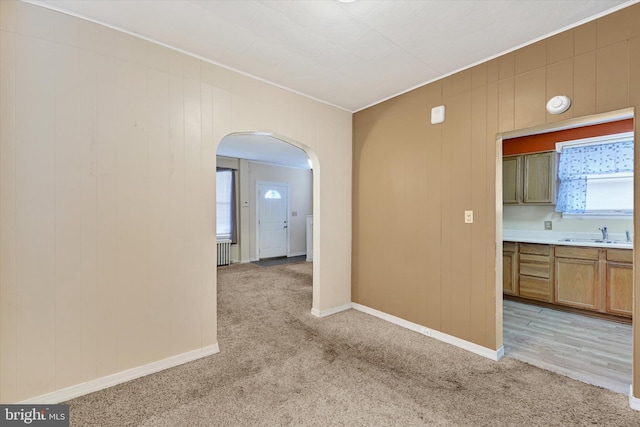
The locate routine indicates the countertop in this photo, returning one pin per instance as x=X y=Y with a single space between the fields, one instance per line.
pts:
x=557 y=237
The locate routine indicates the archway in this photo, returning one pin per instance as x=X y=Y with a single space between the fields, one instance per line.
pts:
x=270 y=153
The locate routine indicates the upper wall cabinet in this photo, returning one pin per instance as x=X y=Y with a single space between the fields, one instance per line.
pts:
x=512 y=179
x=529 y=179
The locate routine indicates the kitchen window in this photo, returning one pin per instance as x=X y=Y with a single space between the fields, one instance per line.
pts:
x=596 y=177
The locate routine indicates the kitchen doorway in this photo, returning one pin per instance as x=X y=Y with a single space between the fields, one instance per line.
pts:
x=544 y=312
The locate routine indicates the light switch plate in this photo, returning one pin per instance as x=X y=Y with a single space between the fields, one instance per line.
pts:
x=548 y=225
x=468 y=217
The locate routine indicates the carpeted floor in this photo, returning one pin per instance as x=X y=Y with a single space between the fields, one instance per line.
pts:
x=280 y=366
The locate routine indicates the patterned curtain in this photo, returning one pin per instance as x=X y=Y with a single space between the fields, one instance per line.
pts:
x=578 y=162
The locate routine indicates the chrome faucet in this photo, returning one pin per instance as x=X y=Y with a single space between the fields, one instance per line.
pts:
x=628 y=233
x=605 y=233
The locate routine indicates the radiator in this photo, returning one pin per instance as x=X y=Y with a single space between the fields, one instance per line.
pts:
x=224 y=252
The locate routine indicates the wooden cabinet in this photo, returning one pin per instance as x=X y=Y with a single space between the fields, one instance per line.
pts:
x=539 y=182
x=587 y=278
x=510 y=268
x=577 y=276
x=512 y=179
x=535 y=271
x=529 y=178
x=619 y=282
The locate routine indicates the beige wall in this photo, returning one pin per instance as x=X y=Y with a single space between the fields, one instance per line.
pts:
x=107 y=197
x=227 y=162
x=413 y=256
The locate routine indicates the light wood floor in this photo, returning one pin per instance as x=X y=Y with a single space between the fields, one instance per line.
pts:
x=594 y=351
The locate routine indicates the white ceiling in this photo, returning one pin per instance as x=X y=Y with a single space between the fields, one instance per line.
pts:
x=350 y=55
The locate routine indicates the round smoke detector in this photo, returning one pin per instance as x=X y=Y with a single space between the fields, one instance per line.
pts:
x=558 y=104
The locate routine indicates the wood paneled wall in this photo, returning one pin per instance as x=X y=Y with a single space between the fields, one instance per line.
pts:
x=107 y=197
x=413 y=255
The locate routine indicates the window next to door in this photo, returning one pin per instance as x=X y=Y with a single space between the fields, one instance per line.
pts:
x=225 y=205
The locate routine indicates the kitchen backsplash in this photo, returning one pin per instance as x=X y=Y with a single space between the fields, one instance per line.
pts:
x=533 y=217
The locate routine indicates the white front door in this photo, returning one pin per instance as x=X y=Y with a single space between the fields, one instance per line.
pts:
x=273 y=226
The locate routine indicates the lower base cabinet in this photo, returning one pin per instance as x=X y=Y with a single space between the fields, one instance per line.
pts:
x=587 y=278
x=619 y=279
x=535 y=271
x=509 y=269
x=576 y=280
x=576 y=283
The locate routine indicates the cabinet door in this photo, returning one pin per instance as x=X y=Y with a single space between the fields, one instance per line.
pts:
x=539 y=178
x=509 y=277
x=512 y=180
x=620 y=288
x=576 y=283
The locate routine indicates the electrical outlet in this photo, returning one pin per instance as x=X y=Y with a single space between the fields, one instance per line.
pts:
x=548 y=225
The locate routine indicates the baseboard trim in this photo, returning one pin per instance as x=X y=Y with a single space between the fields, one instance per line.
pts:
x=499 y=353
x=330 y=311
x=440 y=336
x=634 y=402
x=121 y=377
x=296 y=254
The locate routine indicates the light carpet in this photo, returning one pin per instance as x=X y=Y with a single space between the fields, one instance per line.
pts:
x=280 y=366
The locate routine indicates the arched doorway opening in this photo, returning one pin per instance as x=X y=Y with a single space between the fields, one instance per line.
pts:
x=257 y=160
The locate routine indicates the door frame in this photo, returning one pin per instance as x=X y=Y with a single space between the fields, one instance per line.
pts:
x=284 y=184
x=610 y=116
